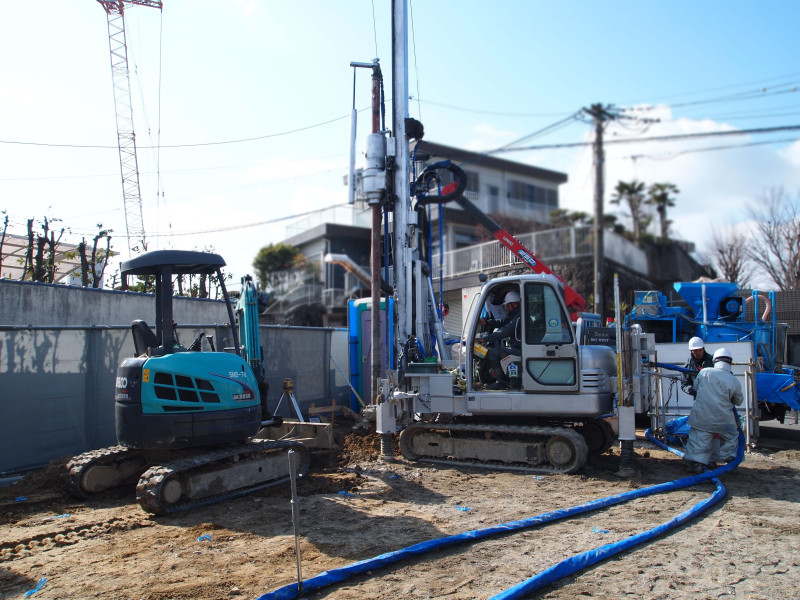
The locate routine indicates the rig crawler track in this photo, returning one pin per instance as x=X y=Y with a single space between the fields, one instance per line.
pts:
x=506 y=447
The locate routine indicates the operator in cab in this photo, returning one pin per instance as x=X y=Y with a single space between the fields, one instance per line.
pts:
x=699 y=359
x=506 y=330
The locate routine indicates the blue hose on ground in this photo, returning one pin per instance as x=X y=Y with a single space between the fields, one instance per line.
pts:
x=586 y=559
x=567 y=567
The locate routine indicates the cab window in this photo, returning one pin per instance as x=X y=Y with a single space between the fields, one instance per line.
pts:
x=546 y=322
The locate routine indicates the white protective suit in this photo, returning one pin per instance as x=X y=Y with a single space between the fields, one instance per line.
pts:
x=717 y=391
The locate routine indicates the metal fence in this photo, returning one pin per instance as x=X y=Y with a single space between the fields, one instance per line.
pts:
x=57 y=383
x=550 y=246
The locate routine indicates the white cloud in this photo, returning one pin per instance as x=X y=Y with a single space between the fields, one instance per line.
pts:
x=489 y=138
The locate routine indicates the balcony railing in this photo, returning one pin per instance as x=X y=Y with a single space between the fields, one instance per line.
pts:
x=355 y=216
x=550 y=246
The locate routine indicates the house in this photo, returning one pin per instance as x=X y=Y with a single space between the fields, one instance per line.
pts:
x=337 y=242
x=495 y=185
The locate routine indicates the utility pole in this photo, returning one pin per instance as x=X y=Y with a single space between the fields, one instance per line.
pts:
x=599 y=114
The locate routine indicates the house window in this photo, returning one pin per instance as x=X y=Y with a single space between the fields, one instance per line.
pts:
x=526 y=196
x=494 y=199
x=463 y=237
x=473 y=181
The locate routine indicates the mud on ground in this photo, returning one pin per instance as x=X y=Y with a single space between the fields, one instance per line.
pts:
x=354 y=506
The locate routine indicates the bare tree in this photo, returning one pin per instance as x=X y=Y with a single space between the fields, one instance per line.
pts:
x=775 y=246
x=38 y=266
x=99 y=256
x=3 y=238
x=728 y=256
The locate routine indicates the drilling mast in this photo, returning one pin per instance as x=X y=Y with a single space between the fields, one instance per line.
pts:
x=126 y=138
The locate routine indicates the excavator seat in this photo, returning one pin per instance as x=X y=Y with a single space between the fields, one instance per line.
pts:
x=143 y=337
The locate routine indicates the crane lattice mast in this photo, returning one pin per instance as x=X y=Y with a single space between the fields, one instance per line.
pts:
x=126 y=137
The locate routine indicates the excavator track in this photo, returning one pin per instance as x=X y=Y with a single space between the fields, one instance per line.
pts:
x=218 y=475
x=498 y=447
x=98 y=470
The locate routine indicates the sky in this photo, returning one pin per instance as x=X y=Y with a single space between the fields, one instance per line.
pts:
x=242 y=108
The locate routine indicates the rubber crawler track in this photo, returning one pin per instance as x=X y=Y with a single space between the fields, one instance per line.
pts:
x=478 y=434
x=149 y=490
x=111 y=456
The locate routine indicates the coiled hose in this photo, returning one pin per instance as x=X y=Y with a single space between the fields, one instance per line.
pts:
x=554 y=573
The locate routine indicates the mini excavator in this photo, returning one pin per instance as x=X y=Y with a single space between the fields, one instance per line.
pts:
x=185 y=417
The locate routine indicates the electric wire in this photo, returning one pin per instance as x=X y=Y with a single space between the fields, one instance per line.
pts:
x=414 y=48
x=254 y=223
x=374 y=29
x=662 y=138
x=708 y=149
x=726 y=87
x=193 y=145
x=159 y=191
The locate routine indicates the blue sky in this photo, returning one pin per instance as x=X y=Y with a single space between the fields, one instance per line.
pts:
x=207 y=75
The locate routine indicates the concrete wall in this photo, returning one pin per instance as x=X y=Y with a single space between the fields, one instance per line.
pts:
x=27 y=303
x=60 y=347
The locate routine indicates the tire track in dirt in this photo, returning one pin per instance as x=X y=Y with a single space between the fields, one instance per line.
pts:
x=25 y=539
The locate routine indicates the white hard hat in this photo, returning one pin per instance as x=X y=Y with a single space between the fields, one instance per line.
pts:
x=696 y=344
x=511 y=296
x=722 y=354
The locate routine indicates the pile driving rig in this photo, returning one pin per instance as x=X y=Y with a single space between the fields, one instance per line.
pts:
x=557 y=407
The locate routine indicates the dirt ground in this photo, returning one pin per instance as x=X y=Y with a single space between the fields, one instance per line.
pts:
x=354 y=506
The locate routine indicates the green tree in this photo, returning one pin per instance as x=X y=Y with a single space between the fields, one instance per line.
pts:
x=272 y=259
x=633 y=194
x=561 y=217
x=661 y=195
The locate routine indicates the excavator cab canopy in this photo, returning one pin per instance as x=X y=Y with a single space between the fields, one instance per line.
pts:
x=162 y=265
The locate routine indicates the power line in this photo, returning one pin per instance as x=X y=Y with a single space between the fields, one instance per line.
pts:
x=199 y=144
x=254 y=224
x=709 y=149
x=662 y=138
x=489 y=112
x=760 y=82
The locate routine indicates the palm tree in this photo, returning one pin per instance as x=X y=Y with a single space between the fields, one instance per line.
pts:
x=633 y=194
x=659 y=196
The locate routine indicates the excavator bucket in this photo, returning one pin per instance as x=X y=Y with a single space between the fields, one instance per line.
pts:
x=314 y=436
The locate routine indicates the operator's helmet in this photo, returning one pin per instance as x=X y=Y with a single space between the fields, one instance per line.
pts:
x=696 y=344
x=511 y=296
x=723 y=354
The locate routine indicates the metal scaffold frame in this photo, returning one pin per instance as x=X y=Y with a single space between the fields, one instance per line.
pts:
x=126 y=136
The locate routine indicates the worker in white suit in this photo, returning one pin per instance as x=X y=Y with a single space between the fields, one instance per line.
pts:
x=717 y=391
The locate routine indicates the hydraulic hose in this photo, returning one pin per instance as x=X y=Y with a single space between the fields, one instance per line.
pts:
x=552 y=574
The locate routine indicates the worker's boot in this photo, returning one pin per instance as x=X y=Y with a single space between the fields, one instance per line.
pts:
x=694 y=468
x=500 y=382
